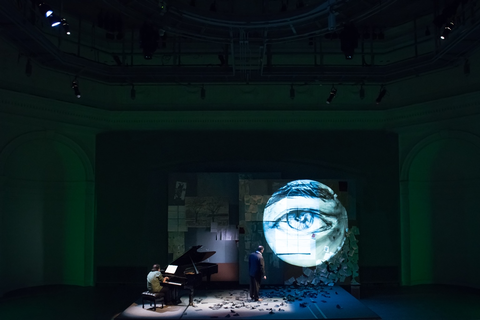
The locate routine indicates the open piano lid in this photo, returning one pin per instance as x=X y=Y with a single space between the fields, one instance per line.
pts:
x=193 y=256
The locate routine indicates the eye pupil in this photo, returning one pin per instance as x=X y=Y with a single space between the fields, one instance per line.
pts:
x=299 y=220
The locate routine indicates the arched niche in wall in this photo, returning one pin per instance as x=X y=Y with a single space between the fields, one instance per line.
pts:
x=47 y=212
x=440 y=183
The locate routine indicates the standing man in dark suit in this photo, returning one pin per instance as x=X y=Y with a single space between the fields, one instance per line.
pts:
x=256 y=269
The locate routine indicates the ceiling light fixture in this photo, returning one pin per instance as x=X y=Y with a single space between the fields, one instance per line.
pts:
x=117 y=59
x=54 y=20
x=45 y=9
x=446 y=30
x=66 y=26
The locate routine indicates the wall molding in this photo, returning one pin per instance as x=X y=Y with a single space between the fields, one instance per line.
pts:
x=46 y=135
x=474 y=140
x=14 y=104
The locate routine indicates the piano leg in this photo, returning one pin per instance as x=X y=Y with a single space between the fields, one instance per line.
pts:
x=190 y=297
x=174 y=297
x=208 y=281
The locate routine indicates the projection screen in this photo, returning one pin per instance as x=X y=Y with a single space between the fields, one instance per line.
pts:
x=304 y=223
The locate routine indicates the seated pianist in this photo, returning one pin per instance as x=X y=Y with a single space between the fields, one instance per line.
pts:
x=154 y=283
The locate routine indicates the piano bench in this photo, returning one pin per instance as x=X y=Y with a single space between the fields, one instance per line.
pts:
x=152 y=297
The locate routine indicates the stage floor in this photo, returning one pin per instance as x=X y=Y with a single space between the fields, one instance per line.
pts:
x=283 y=302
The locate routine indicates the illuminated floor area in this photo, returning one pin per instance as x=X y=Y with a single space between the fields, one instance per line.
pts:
x=108 y=302
x=277 y=303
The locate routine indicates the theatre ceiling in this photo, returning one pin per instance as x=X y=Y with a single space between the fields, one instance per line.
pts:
x=243 y=41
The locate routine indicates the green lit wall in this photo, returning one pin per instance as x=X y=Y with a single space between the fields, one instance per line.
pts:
x=442 y=215
x=46 y=224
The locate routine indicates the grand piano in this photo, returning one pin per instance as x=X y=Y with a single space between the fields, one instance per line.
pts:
x=190 y=271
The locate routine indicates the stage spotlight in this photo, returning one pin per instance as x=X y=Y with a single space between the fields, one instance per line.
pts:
x=117 y=59
x=382 y=93
x=54 y=20
x=292 y=92
x=133 y=93
x=333 y=93
x=45 y=9
x=75 y=88
x=448 y=13
x=202 y=92
x=446 y=30
x=65 y=26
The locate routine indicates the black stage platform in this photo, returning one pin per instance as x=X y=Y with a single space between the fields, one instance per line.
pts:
x=283 y=302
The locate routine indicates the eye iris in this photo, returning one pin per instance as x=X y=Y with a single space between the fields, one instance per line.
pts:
x=300 y=220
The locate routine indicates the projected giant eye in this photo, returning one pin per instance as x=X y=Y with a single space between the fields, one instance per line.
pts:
x=304 y=223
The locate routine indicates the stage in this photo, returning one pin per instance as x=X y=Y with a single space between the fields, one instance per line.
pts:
x=284 y=302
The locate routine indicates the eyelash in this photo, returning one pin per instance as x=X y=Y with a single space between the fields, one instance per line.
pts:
x=292 y=217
